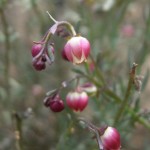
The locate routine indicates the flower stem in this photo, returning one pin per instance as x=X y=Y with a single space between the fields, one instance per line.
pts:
x=98 y=71
x=65 y=23
x=69 y=26
x=46 y=40
x=95 y=130
x=126 y=98
x=138 y=118
x=51 y=17
x=18 y=130
x=7 y=52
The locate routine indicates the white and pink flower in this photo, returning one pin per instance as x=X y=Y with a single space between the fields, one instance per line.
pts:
x=76 y=50
x=77 y=100
x=111 y=139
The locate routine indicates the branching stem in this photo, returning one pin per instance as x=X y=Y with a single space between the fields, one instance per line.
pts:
x=126 y=98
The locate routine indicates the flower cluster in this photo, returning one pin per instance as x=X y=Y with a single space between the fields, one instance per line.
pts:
x=41 y=56
x=76 y=49
x=76 y=100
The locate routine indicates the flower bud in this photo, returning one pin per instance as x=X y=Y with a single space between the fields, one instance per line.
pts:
x=77 y=49
x=36 y=48
x=77 y=100
x=54 y=103
x=111 y=139
x=88 y=87
x=39 y=65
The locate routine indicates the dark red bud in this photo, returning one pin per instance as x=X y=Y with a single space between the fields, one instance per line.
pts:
x=56 y=105
x=36 y=48
x=39 y=65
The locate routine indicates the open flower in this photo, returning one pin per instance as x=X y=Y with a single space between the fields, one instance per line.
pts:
x=77 y=49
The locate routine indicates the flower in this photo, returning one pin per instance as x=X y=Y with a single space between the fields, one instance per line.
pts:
x=76 y=50
x=111 y=139
x=77 y=100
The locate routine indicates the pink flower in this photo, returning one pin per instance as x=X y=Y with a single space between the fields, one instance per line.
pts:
x=77 y=100
x=76 y=50
x=111 y=139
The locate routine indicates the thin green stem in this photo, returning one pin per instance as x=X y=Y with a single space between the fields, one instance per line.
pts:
x=98 y=71
x=38 y=14
x=51 y=17
x=138 y=118
x=18 y=130
x=63 y=23
x=7 y=51
x=126 y=98
x=95 y=130
x=69 y=26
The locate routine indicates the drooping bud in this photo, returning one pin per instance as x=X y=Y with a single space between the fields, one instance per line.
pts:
x=77 y=49
x=111 y=139
x=36 y=48
x=77 y=100
x=41 y=56
x=39 y=65
x=54 y=103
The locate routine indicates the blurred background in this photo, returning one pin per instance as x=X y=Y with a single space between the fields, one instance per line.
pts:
x=119 y=33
